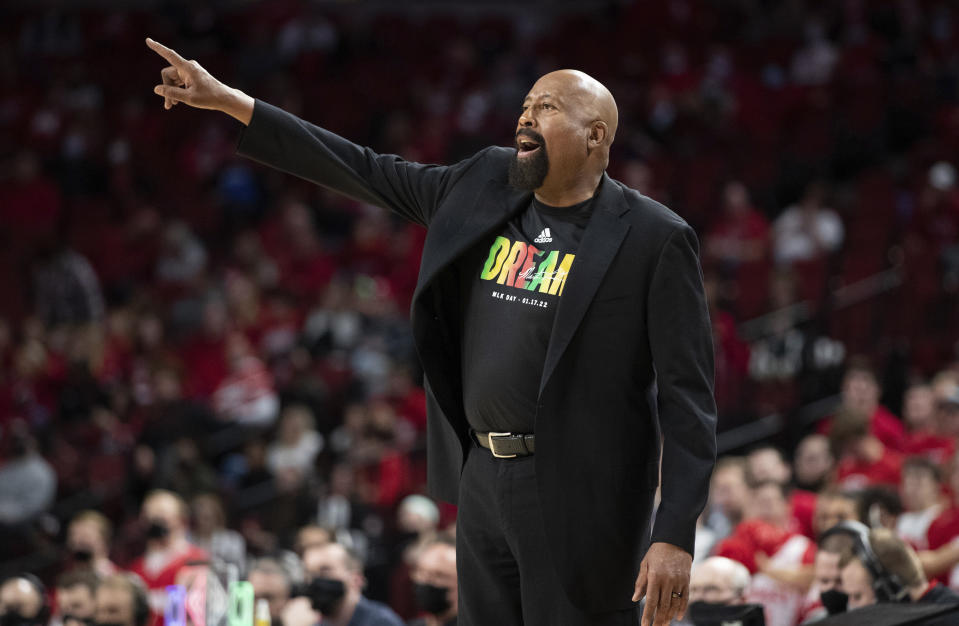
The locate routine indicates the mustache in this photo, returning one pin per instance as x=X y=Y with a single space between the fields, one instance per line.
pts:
x=532 y=134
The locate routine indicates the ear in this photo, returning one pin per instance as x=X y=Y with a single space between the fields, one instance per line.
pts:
x=598 y=132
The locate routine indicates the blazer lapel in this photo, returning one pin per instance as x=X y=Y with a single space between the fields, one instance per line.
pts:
x=501 y=204
x=604 y=234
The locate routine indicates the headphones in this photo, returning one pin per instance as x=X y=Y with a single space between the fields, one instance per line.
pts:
x=43 y=615
x=885 y=584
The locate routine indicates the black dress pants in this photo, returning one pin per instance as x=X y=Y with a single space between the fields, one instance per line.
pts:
x=505 y=576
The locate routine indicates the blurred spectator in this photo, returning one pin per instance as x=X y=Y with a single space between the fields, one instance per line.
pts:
x=728 y=494
x=28 y=484
x=88 y=543
x=182 y=258
x=943 y=535
x=297 y=444
x=738 y=244
x=165 y=517
x=311 y=536
x=246 y=396
x=209 y=532
x=807 y=231
x=23 y=601
x=898 y=559
x=122 y=600
x=768 y=464
x=827 y=580
x=336 y=592
x=271 y=582
x=879 y=506
x=832 y=507
x=76 y=598
x=813 y=463
x=434 y=578
x=924 y=436
x=719 y=580
x=66 y=289
x=860 y=393
x=863 y=459
x=921 y=495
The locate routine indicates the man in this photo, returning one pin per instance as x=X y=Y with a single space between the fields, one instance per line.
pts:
x=719 y=580
x=895 y=558
x=122 y=601
x=921 y=494
x=813 y=463
x=76 y=601
x=434 y=580
x=271 y=582
x=335 y=592
x=864 y=460
x=728 y=494
x=88 y=542
x=860 y=394
x=166 y=517
x=23 y=602
x=824 y=596
x=833 y=506
x=547 y=293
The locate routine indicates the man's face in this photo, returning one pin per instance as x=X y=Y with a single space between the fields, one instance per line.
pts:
x=85 y=534
x=114 y=605
x=76 y=604
x=919 y=407
x=166 y=510
x=270 y=587
x=709 y=584
x=551 y=119
x=813 y=459
x=437 y=566
x=331 y=561
x=919 y=489
x=728 y=492
x=19 y=596
x=768 y=504
x=768 y=465
x=860 y=392
x=831 y=511
x=826 y=571
x=857 y=584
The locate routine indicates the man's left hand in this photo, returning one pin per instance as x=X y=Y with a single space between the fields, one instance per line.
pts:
x=663 y=574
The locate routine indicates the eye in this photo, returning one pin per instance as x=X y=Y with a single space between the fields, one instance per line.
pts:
x=547 y=105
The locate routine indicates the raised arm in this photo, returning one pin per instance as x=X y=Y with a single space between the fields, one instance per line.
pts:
x=283 y=141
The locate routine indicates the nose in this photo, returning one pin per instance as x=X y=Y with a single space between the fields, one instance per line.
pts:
x=526 y=119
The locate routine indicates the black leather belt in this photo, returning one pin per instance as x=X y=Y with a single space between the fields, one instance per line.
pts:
x=506 y=445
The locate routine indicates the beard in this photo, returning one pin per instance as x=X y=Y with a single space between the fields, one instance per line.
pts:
x=528 y=173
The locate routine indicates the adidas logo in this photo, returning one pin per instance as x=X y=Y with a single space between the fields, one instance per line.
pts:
x=544 y=237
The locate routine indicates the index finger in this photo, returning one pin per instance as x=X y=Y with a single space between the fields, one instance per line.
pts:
x=170 y=55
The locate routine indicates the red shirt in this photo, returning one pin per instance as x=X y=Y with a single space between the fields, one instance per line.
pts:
x=853 y=473
x=156 y=580
x=942 y=531
x=936 y=448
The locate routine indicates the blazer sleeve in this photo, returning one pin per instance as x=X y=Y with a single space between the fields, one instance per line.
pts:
x=283 y=141
x=680 y=336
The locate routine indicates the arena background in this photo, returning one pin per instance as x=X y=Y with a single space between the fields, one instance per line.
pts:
x=175 y=316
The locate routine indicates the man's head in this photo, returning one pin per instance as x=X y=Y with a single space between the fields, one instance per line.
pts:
x=919 y=408
x=727 y=490
x=22 y=602
x=833 y=507
x=826 y=571
x=850 y=436
x=564 y=132
x=336 y=578
x=719 y=580
x=920 y=486
x=76 y=597
x=434 y=574
x=88 y=536
x=770 y=503
x=897 y=563
x=121 y=600
x=417 y=514
x=166 y=516
x=767 y=464
x=311 y=536
x=272 y=583
x=813 y=462
x=860 y=387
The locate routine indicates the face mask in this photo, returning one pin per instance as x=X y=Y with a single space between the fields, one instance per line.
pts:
x=12 y=618
x=157 y=530
x=434 y=600
x=834 y=600
x=82 y=555
x=325 y=594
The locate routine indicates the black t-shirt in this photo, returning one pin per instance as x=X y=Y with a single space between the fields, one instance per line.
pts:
x=511 y=285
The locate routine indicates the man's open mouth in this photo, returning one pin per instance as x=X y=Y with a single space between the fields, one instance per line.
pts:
x=526 y=147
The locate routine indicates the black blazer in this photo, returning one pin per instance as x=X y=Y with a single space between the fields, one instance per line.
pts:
x=629 y=363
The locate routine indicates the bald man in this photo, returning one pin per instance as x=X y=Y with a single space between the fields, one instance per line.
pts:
x=562 y=327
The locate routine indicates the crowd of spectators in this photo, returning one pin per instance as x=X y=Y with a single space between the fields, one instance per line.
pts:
x=177 y=318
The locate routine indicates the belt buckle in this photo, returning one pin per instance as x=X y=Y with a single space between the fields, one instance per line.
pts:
x=492 y=448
